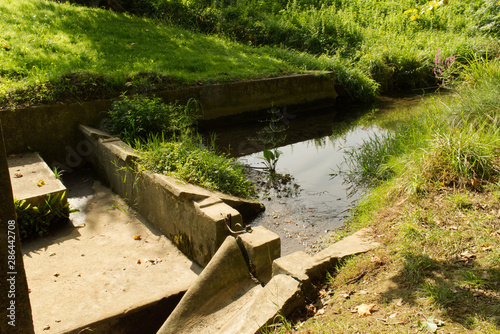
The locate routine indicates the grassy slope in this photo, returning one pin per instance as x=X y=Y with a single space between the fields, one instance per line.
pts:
x=378 y=36
x=48 y=40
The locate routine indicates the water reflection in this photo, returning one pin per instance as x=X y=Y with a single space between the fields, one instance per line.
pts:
x=313 y=148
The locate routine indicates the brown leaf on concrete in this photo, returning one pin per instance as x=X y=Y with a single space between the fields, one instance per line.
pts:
x=18 y=175
x=364 y=309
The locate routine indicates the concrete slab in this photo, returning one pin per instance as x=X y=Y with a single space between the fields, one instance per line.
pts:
x=281 y=296
x=90 y=276
x=27 y=171
x=262 y=248
x=357 y=243
x=297 y=265
x=223 y=288
x=226 y=299
x=194 y=218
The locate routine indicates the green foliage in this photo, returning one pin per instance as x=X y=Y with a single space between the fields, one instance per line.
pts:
x=38 y=220
x=187 y=160
x=488 y=18
x=388 y=40
x=455 y=147
x=271 y=158
x=166 y=138
x=137 y=118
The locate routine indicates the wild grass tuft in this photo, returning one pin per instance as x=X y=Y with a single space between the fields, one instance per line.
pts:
x=190 y=162
x=166 y=138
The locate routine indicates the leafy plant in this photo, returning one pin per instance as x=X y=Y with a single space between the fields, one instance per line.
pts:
x=137 y=118
x=187 y=160
x=38 y=220
x=271 y=158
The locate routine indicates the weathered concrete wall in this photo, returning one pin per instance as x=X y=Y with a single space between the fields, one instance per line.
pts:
x=229 y=99
x=51 y=130
x=192 y=217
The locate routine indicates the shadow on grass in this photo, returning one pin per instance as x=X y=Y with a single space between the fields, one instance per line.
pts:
x=103 y=52
x=459 y=286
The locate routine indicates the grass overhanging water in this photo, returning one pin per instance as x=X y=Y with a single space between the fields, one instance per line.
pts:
x=436 y=213
x=167 y=140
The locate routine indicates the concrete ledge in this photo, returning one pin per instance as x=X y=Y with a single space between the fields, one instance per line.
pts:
x=225 y=299
x=222 y=287
x=357 y=243
x=229 y=99
x=297 y=265
x=281 y=296
x=192 y=217
x=309 y=269
x=261 y=247
x=26 y=170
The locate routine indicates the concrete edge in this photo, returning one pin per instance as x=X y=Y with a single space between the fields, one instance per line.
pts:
x=309 y=269
x=192 y=217
x=148 y=317
x=50 y=129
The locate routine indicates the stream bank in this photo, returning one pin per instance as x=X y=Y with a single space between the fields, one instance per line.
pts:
x=307 y=202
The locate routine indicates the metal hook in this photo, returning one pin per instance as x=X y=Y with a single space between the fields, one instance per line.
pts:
x=244 y=229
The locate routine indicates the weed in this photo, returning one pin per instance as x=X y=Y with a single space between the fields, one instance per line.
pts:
x=57 y=173
x=37 y=220
x=188 y=161
x=165 y=137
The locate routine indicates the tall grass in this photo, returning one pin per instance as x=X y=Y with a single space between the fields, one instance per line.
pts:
x=379 y=36
x=443 y=146
x=166 y=138
x=63 y=52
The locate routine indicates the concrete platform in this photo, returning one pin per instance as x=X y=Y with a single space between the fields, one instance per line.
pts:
x=32 y=179
x=97 y=277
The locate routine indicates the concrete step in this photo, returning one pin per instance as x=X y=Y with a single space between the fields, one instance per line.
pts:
x=227 y=299
x=114 y=273
x=32 y=179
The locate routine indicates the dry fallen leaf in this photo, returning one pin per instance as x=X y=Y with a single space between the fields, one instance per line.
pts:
x=320 y=312
x=137 y=237
x=139 y=261
x=364 y=309
x=46 y=328
x=57 y=274
x=18 y=175
x=345 y=295
x=485 y=248
x=311 y=310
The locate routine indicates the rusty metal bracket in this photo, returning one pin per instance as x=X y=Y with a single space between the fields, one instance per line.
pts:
x=244 y=229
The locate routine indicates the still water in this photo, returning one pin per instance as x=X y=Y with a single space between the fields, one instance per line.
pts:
x=313 y=147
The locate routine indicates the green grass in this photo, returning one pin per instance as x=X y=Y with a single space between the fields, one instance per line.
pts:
x=439 y=255
x=188 y=161
x=166 y=138
x=379 y=37
x=62 y=52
